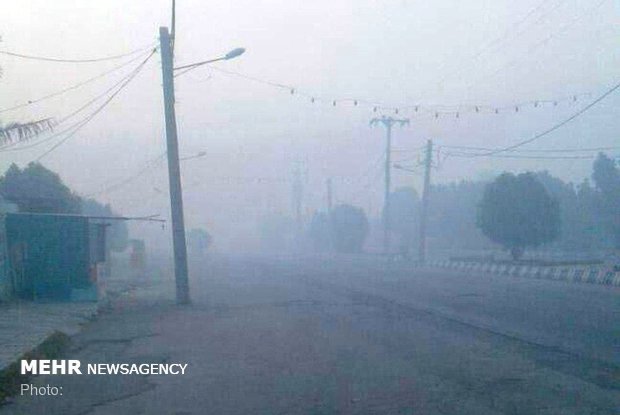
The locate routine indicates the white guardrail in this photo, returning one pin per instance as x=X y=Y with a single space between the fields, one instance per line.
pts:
x=589 y=274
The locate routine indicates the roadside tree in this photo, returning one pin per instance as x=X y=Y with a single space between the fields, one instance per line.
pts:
x=606 y=177
x=517 y=212
x=39 y=190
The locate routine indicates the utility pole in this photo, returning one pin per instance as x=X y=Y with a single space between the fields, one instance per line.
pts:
x=298 y=190
x=174 y=171
x=388 y=122
x=425 y=192
x=329 y=195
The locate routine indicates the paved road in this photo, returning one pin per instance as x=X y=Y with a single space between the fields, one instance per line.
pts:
x=352 y=336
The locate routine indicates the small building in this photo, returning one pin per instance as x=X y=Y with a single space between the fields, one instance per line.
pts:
x=6 y=287
x=51 y=256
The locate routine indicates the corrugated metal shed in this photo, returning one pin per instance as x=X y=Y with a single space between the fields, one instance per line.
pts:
x=50 y=255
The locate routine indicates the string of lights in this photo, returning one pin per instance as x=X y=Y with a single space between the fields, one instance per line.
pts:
x=435 y=110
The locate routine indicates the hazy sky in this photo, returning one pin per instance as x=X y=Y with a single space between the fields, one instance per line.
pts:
x=395 y=52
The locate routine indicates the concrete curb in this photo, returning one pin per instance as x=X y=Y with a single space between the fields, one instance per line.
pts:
x=576 y=274
x=53 y=345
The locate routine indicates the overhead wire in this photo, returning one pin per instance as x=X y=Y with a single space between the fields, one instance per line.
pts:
x=491 y=46
x=99 y=109
x=71 y=87
x=560 y=150
x=9 y=147
x=554 y=127
x=536 y=46
x=65 y=60
x=115 y=186
x=529 y=157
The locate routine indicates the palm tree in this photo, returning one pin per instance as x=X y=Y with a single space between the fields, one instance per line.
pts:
x=18 y=132
x=15 y=132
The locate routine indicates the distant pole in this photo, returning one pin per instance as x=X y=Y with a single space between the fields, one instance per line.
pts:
x=425 y=193
x=329 y=195
x=387 y=122
x=174 y=171
x=297 y=201
x=387 y=212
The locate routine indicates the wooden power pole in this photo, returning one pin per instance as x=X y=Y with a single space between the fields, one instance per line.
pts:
x=387 y=122
x=425 y=193
x=329 y=195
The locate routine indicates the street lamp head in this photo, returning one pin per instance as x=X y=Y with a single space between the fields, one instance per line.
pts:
x=234 y=53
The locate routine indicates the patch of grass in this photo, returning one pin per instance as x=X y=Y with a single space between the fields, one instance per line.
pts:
x=11 y=378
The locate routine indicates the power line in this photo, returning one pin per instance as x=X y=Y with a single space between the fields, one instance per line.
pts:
x=556 y=6
x=562 y=150
x=537 y=45
x=7 y=147
x=100 y=108
x=407 y=150
x=553 y=128
x=492 y=46
x=115 y=186
x=64 y=60
x=520 y=156
x=70 y=88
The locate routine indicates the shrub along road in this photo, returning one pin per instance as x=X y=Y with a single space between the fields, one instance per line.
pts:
x=267 y=336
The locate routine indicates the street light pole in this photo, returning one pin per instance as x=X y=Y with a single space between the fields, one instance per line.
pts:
x=174 y=171
x=166 y=42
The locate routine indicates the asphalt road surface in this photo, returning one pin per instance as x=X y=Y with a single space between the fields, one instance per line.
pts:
x=351 y=336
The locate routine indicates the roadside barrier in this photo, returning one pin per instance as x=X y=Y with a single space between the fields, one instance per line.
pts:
x=571 y=274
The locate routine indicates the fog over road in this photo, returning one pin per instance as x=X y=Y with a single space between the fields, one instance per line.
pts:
x=352 y=335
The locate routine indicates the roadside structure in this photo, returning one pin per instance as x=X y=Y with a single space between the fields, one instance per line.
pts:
x=54 y=256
